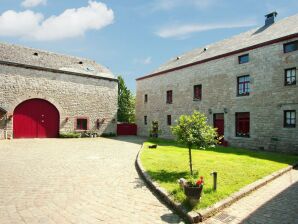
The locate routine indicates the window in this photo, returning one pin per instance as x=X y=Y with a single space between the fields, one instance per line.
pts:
x=169 y=96
x=146 y=98
x=292 y=46
x=145 y=120
x=290 y=118
x=197 y=92
x=243 y=85
x=82 y=124
x=290 y=76
x=242 y=124
x=243 y=58
x=169 y=120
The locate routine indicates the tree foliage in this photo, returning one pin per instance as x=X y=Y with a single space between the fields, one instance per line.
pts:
x=126 y=103
x=194 y=132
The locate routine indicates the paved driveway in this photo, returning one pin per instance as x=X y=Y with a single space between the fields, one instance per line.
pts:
x=75 y=181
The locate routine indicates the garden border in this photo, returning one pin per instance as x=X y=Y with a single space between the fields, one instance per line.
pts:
x=196 y=217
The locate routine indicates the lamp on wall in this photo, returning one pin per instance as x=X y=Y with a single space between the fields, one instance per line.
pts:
x=225 y=110
x=210 y=111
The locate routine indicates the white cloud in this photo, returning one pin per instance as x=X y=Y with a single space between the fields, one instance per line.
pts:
x=33 y=3
x=171 y=4
x=144 y=61
x=70 y=23
x=19 y=23
x=184 y=31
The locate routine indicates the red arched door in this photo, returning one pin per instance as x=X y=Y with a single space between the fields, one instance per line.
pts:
x=35 y=118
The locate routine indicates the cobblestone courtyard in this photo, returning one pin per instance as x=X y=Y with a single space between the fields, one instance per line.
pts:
x=75 y=181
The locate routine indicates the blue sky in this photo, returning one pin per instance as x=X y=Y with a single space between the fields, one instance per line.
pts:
x=131 y=37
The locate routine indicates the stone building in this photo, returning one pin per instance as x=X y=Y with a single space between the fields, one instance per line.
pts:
x=43 y=94
x=246 y=85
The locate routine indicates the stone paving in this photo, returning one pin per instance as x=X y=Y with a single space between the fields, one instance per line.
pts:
x=79 y=181
x=275 y=203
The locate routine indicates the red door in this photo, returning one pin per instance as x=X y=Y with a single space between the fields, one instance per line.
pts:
x=36 y=118
x=219 y=123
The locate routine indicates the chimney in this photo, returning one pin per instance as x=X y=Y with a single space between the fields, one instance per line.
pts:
x=270 y=18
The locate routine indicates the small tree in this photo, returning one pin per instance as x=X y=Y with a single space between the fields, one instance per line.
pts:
x=193 y=131
x=126 y=103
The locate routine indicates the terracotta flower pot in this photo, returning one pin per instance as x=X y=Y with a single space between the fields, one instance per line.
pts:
x=193 y=194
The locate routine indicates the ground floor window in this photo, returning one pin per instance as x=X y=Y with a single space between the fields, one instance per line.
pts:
x=289 y=118
x=169 y=120
x=82 y=124
x=145 y=120
x=242 y=124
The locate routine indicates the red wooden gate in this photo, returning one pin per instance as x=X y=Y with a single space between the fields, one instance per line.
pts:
x=126 y=129
x=36 y=118
x=219 y=123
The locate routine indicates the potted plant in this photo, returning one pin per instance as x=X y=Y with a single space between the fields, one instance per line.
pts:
x=193 y=190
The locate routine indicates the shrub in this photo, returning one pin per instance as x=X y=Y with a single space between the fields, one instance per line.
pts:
x=70 y=135
x=110 y=134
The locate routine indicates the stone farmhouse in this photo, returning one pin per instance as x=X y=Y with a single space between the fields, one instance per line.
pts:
x=43 y=94
x=246 y=85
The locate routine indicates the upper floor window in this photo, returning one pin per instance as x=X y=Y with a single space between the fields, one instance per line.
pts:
x=146 y=98
x=290 y=118
x=292 y=46
x=243 y=58
x=82 y=124
x=290 y=76
x=169 y=120
x=145 y=120
x=169 y=96
x=243 y=83
x=242 y=124
x=197 y=92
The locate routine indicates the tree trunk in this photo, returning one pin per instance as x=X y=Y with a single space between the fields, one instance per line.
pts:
x=190 y=161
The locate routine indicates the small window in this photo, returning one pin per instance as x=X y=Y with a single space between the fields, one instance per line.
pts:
x=292 y=46
x=146 y=98
x=290 y=118
x=290 y=76
x=145 y=120
x=243 y=85
x=82 y=124
x=197 y=92
x=242 y=124
x=169 y=120
x=169 y=96
x=243 y=58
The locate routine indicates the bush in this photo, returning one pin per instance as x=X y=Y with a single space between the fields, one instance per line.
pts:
x=110 y=134
x=70 y=135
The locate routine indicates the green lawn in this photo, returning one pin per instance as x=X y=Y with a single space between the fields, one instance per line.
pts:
x=236 y=168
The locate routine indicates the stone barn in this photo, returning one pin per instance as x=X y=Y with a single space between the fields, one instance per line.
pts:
x=43 y=94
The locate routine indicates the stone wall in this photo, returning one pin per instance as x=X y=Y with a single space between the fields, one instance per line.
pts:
x=73 y=96
x=268 y=99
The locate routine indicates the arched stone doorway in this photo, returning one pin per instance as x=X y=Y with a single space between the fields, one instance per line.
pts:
x=36 y=118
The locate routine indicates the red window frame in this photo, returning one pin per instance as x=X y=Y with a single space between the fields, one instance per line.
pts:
x=197 y=92
x=81 y=128
x=290 y=118
x=290 y=76
x=169 y=96
x=243 y=85
x=169 y=119
x=243 y=124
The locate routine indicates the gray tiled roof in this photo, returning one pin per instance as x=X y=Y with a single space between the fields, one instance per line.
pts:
x=277 y=30
x=27 y=56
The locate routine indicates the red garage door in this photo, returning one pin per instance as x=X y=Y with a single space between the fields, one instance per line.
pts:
x=36 y=118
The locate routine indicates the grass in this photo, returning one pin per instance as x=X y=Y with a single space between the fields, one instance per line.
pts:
x=236 y=168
